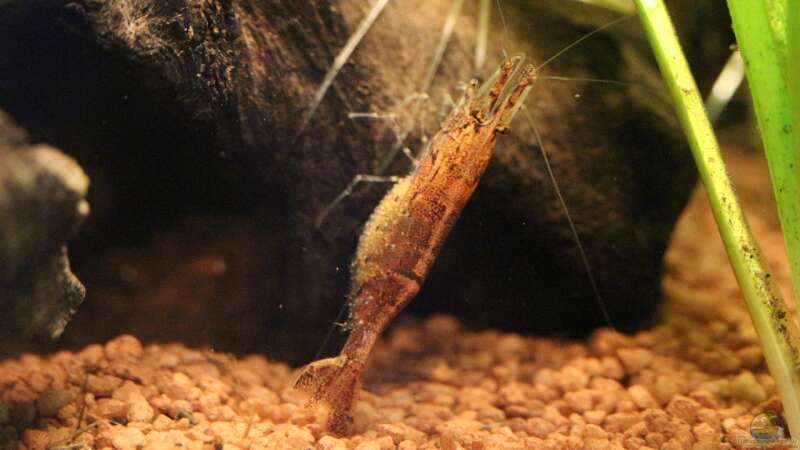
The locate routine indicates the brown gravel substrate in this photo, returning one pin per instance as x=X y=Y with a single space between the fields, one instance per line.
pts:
x=693 y=382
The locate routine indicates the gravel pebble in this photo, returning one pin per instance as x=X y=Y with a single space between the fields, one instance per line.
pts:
x=50 y=401
x=124 y=438
x=641 y=397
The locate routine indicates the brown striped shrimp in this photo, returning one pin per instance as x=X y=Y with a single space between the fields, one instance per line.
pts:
x=405 y=233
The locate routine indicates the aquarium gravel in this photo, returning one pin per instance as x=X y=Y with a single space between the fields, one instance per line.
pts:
x=694 y=381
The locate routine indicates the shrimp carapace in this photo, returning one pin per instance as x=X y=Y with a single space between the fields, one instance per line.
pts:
x=402 y=238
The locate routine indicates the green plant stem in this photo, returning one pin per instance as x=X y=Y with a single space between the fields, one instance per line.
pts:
x=793 y=67
x=624 y=7
x=774 y=11
x=758 y=36
x=776 y=330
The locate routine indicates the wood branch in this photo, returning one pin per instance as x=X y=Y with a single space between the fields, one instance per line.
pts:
x=185 y=103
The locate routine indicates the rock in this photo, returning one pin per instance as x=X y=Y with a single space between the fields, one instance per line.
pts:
x=580 y=401
x=36 y=439
x=684 y=408
x=595 y=416
x=102 y=385
x=50 y=401
x=42 y=204
x=123 y=347
x=745 y=386
x=619 y=422
x=635 y=359
x=369 y=445
x=460 y=432
x=751 y=356
x=401 y=432
x=642 y=397
x=330 y=443
x=705 y=433
x=539 y=427
x=665 y=388
x=123 y=438
x=364 y=415
x=112 y=409
x=572 y=379
x=291 y=436
x=594 y=432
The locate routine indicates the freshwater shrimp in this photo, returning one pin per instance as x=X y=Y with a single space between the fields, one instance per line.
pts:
x=402 y=238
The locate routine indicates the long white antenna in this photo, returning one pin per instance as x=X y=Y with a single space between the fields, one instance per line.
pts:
x=583 y=38
x=575 y=235
x=483 y=34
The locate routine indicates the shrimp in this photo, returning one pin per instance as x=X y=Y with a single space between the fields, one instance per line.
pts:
x=405 y=233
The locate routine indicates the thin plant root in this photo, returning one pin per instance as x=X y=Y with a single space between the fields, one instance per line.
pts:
x=403 y=236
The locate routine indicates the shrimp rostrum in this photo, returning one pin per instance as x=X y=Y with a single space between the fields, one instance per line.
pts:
x=402 y=238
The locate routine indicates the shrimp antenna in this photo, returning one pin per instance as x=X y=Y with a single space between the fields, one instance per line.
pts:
x=483 y=34
x=444 y=39
x=585 y=80
x=341 y=60
x=583 y=38
x=504 y=36
x=589 y=272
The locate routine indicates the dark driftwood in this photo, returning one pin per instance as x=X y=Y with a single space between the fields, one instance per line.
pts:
x=183 y=106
